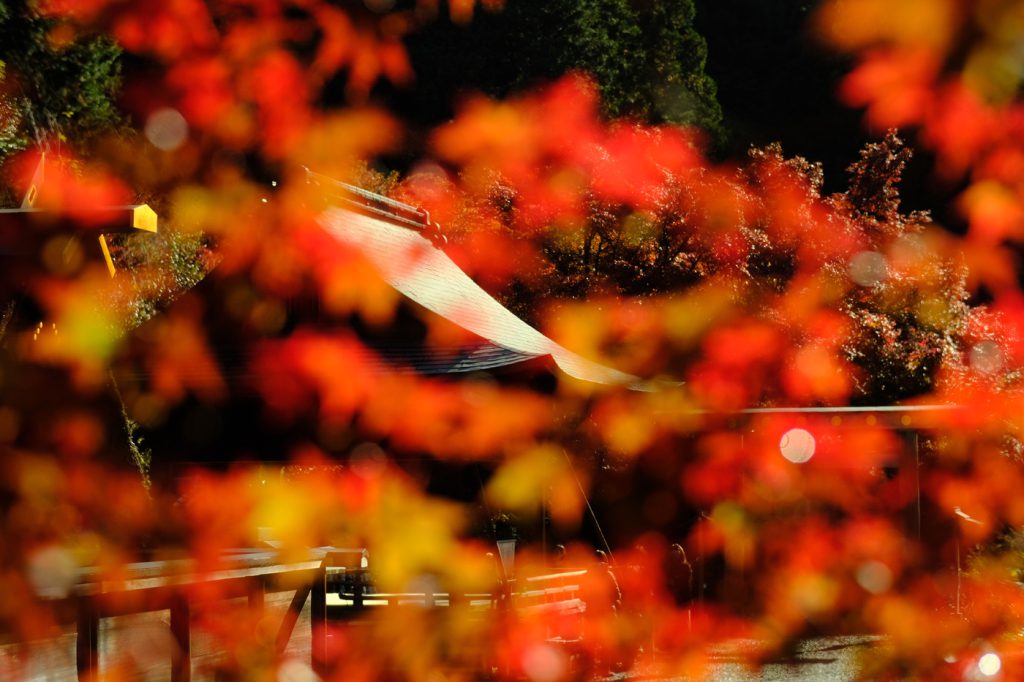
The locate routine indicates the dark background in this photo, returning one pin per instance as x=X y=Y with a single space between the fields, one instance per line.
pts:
x=775 y=83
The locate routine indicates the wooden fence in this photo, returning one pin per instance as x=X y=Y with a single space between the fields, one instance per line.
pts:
x=172 y=585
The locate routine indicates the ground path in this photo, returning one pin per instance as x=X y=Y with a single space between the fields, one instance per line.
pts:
x=145 y=638
x=819 y=659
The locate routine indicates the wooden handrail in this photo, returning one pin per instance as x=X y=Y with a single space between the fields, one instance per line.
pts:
x=156 y=585
x=23 y=229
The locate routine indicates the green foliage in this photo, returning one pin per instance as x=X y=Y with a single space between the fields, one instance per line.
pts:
x=681 y=91
x=648 y=62
x=142 y=456
x=647 y=59
x=53 y=92
x=159 y=268
x=12 y=138
x=601 y=38
x=373 y=180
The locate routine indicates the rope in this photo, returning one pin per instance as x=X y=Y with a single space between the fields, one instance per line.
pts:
x=590 y=509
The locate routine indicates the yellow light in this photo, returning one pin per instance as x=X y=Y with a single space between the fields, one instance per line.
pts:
x=106 y=255
x=144 y=218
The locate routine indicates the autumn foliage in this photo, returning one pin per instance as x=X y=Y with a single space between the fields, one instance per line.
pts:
x=732 y=289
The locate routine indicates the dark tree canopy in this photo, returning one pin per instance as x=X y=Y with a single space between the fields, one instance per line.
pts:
x=646 y=57
x=903 y=328
x=57 y=88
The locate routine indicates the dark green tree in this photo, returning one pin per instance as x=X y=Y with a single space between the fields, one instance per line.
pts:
x=602 y=38
x=55 y=88
x=647 y=58
x=676 y=56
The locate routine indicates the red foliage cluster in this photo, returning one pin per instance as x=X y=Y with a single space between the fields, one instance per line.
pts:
x=736 y=291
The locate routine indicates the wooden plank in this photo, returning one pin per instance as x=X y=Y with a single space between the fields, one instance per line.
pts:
x=150 y=576
x=181 y=630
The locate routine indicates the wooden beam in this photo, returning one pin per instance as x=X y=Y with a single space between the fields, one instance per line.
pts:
x=181 y=630
x=22 y=230
x=155 y=585
x=318 y=620
x=106 y=219
x=87 y=644
x=291 y=616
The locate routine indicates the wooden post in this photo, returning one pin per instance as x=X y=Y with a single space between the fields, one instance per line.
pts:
x=291 y=616
x=318 y=619
x=257 y=590
x=87 y=646
x=181 y=665
x=910 y=482
x=358 y=589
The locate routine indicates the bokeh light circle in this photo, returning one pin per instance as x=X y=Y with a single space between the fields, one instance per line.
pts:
x=986 y=357
x=874 y=576
x=166 y=129
x=989 y=664
x=868 y=268
x=544 y=663
x=292 y=670
x=797 y=445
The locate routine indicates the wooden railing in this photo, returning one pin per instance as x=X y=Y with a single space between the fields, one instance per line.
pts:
x=370 y=203
x=550 y=592
x=170 y=585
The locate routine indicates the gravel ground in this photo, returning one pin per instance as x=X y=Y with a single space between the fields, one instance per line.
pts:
x=820 y=659
x=145 y=639
x=831 y=659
